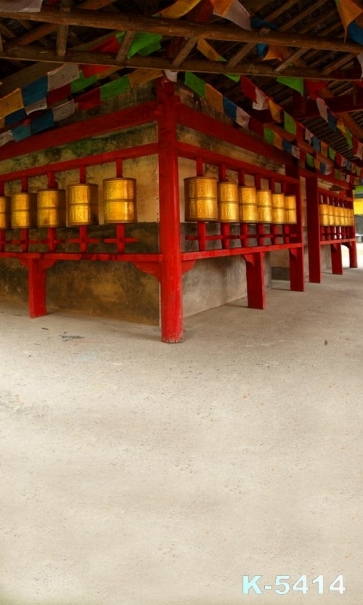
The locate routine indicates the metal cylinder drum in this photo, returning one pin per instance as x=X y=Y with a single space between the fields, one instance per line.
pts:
x=324 y=215
x=51 y=208
x=264 y=206
x=23 y=210
x=228 y=204
x=119 y=200
x=201 y=198
x=290 y=209
x=82 y=205
x=4 y=212
x=278 y=208
x=247 y=204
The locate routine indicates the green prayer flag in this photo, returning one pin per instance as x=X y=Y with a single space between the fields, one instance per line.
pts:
x=142 y=41
x=115 y=88
x=269 y=136
x=310 y=160
x=195 y=83
x=331 y=153
x=150 y=48
x=234 y=77
x=81 y=83
x=289 y=123
x=295 y=83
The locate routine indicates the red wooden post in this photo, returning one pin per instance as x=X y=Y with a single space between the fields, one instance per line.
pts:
x=313 y=221
x=255 y=275
x=171 y=265
x=296 y=256
x=336 y=259
x=353 y=257
x=37 y=288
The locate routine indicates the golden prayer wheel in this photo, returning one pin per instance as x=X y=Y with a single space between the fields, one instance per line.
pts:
x=247 y=204
x=324 y=215
x=119 y=198
x=23 y=210
x=82 y=205
x=278 y=208
x=264 y=206
x=333 y=216
x=290 y=209
x=228 y=202
x=201 y=199
x=4 y=212
x=51 y=208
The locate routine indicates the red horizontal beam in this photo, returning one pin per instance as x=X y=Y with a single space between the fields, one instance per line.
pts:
x=92 y=127
x=346 y=240
x=191 y=118
x=99 y=158
x=238 y=251
x=57 y=256
x=342 y=104
x=192 y=152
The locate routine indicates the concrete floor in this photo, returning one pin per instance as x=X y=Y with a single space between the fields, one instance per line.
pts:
x=137 y=473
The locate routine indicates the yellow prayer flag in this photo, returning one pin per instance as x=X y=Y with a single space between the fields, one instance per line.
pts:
x=2 y=123
x=349 y=11
x=341 y=126
x=275 y=111
x=277 y=52
x=10 y=103
x=178 y=9
x=278 y=141
x=207 y=50
x=324 y=148
x=214 y=98
x=141 y=76
x=221 y=7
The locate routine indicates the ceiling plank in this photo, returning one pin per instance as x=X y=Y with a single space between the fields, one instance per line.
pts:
x=167 y=27
x=62 y=36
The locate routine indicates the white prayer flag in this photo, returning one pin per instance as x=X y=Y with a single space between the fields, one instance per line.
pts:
x=323 y=110
x=62 y=75
x=37 y=106
x=61 y=112
x=242 y=118
x=171 y=75
x=5 y=137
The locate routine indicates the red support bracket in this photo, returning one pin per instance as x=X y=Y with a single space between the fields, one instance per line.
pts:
x=255 y=274
x=150 y=267
x=83 y=240
x=120 y=240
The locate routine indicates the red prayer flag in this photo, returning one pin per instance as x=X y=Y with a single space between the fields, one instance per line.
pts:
x=314 y=87
x=249 y=89
x=89 y=99
x=58 y=94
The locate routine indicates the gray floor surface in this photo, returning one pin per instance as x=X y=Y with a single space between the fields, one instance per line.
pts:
x=136 y=473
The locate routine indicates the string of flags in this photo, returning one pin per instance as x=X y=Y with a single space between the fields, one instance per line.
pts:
x=241 y=117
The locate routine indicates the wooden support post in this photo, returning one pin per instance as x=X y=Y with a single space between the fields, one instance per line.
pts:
x=255 y=274
x=297 y=281
x=37 y=288
x=171 y=265
x=313 y=221
x=336 y=259
x=296 y=256
x=353 y=257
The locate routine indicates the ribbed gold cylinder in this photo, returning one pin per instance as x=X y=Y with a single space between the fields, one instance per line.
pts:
x=201 y=198
x=51 y=208
x=82 y=205
x=228 y=204
x=264 y=206
x=247 y=204
x=23 y=210
x=290 y=210
x=324 y=215
x=278 y=208
x=5 y=212
x=333 y=216
x=119 y=199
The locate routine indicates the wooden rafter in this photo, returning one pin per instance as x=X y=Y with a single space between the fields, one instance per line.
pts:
x=167 y=27
x=152 y=62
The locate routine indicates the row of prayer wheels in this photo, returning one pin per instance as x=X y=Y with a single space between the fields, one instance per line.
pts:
x=206 y=199
x=76 y=207
x=336 y=216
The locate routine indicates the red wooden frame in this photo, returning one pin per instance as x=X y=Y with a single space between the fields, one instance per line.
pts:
x=319 y=236
x=170 y=262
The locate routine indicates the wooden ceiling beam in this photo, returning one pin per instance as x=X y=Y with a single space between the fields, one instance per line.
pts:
x=125 y=46
x=152 y=62
x=168 y=27
x=184 y=52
